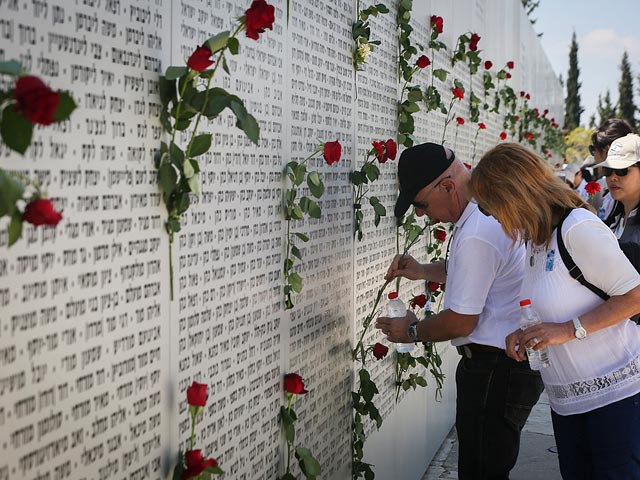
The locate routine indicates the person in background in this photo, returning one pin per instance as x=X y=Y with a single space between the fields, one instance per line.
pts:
x=495 y=394
x=593 y=380
x=575 y=180
x=601 y=139
x=622 y=172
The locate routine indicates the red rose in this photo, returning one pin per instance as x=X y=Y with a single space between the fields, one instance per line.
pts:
x=508 y=75
x=419 y=301
x=196 y=464
x=293 y=383
x=473 y=43
x=529 y=136
x=537 y=112
x=521 y=93
x=592 y=188
x=517 y=118
x=41 y=212
x=460 y=120
x=482 y=126
x=458 y=93
x=199 y=60
x=437 y=23
x=423 y=62
x=392 y=148
x=332 y=152
x=197 y=394
x=546 y=110
x=259 y=16
x=36 y=102
x=380 y=351
x=503 y=136
x=441 y=235
x=510 y=65
x=379 y=147
x=527 y=96
x=488 y=64
x=433 y=286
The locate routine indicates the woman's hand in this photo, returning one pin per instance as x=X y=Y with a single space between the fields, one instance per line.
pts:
x=405 y=266
x=395 y=328
x=538 y=337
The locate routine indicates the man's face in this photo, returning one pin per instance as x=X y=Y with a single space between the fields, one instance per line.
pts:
x=429 y=201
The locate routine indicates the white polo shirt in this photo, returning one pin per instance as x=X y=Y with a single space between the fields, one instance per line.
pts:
x=484 y=276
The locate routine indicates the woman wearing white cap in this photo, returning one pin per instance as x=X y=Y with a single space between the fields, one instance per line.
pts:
x=622 y=171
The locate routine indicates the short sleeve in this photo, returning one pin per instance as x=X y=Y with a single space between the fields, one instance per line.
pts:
x=595 y=250
x=477 y=263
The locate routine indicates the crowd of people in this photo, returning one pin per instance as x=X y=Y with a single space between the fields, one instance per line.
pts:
x=520 y=232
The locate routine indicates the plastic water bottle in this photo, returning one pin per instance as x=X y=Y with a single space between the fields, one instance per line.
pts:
x=537 y=358
x=395 y=309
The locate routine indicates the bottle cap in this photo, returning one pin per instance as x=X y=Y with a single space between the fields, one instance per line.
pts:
x=525 y=302
x=393 y=295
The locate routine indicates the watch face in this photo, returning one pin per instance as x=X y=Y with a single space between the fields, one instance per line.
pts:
x=580 y=333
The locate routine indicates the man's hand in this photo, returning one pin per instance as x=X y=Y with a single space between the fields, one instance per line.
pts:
x=395 y=328
x=405 y=266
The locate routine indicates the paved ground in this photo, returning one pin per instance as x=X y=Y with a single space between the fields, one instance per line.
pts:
x=537 y=459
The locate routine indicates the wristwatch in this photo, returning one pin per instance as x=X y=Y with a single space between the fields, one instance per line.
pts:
x=579 y=330
x=412 y=332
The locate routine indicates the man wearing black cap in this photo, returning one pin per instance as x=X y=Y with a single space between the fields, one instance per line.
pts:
x=483 y=275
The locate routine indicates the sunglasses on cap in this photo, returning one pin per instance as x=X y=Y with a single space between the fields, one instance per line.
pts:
x=620 y=172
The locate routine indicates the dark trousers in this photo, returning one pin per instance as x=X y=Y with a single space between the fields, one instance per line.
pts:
x=495 y=396
x=603 y=444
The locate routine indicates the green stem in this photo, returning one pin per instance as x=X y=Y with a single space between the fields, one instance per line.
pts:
x=289 y=443
x=367 y=322
x=193 y=431
x=171 y=263
x=447 y=120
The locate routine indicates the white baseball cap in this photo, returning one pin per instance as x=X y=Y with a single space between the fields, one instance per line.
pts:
x=623 y=152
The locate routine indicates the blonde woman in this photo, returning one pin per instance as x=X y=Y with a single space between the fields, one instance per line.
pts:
x=594 y=378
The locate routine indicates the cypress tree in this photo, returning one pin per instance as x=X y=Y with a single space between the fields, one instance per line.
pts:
x=605 y=109
x=626 y=107
x=572 y=108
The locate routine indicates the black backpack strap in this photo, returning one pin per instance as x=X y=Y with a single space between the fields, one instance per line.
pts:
x=574 y=270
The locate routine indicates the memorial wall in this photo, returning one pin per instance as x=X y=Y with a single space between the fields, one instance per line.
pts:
x=95 y=358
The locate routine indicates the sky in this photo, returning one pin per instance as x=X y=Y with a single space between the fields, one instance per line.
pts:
x=604 y=29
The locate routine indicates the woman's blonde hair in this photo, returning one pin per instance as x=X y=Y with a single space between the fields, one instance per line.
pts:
x=522 y=192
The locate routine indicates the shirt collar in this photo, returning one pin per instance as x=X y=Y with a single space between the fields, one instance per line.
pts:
x=469 y=210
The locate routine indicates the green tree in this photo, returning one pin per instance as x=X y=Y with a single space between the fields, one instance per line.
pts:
x=572 y=108
x=592 y=121
x=626 y=107
x=605 y=108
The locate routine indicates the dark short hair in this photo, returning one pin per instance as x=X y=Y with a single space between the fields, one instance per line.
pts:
x=610 y=130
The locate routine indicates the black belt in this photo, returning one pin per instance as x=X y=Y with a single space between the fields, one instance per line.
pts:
x=471 y=349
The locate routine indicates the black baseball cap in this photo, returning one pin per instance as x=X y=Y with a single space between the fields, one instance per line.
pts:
x=418 y=167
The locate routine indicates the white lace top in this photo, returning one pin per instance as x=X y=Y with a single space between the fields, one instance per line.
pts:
x=605 y=366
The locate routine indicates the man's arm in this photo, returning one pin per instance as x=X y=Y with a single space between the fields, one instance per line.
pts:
x=437 y=328
x=408 y=267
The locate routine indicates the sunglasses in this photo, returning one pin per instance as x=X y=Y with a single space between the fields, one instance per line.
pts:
x=592 y=150
x=620 y=172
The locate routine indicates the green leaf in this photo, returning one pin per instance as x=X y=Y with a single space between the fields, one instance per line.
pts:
x=10 y=67
x=174 y=73
x=251 y=128
x=65 y=107
x=314 y=210
x=225 y=67
x=411 y=107
x=15 y=227
x=234 y=45
x=295 y=251
x=288 y=424
x=182 y=203
x=16 y=131
x=297 y=213
x=415 y=94
x=379 y=209
x=188 y=169
x=440 y=74
x=194 y=184
x=167 y=177
x=309 y=465
x=301 y=236
x=216 y=103
x=316 y=187
x=168 y=91
x=11 y=190
x=296 y=282
x=214 y=470
x=238 y=108
x=200 y=145
x=218 y=42
x=372 y=171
